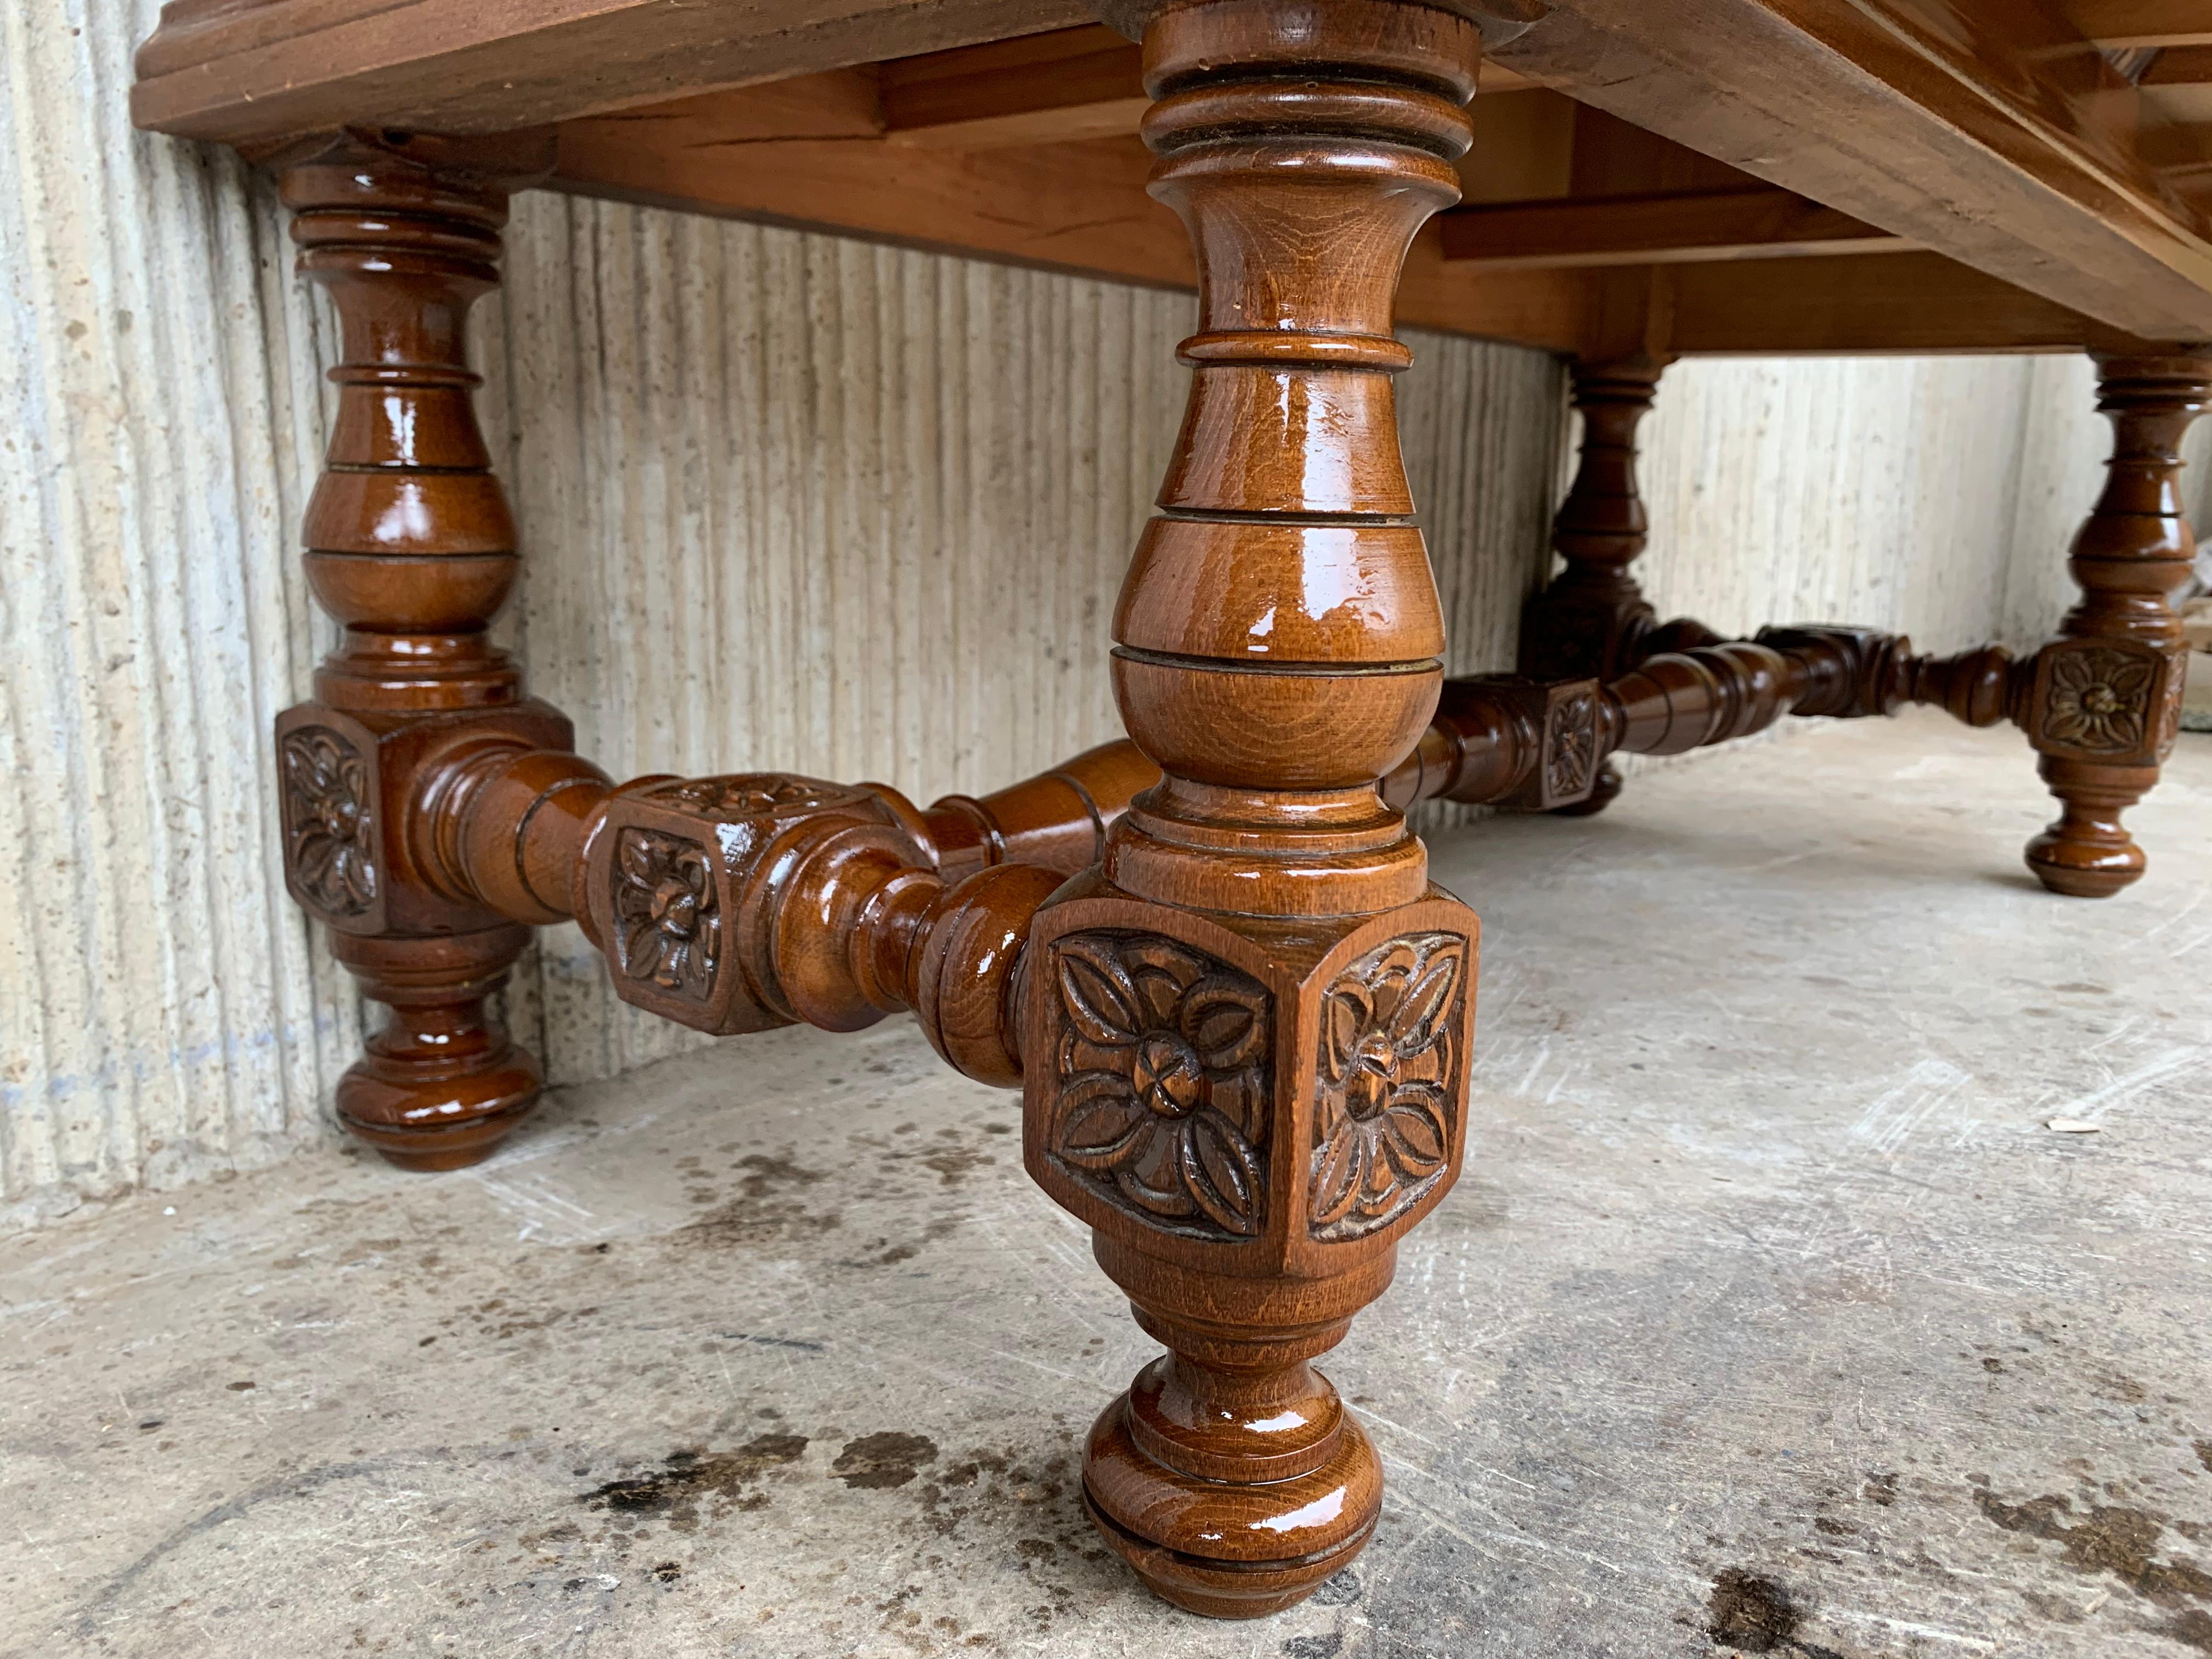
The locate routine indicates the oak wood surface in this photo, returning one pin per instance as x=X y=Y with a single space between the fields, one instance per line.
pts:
x=410 y=545
x=2105 y=708
x=2119 y=24
x=813 y=154
x=267 y=69
x=1245 y=1032
x=2001 y=140
x=1925 y=119
x=1669 y=228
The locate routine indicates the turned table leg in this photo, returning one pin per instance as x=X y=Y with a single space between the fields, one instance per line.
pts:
x=2105 y=704
x=1590 y=621
x=410 y=545
x=1245 y=1036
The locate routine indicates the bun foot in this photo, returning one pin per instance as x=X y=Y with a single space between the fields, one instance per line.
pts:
x=1226 y=1549
x=367 y=1106
x=2089 y=852
x=442 y=1083
x=2081 y=869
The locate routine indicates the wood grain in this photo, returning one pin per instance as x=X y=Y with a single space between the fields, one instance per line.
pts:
x=1660 y=229
x=1952 y=140
x=412 y=546
x=255 y=73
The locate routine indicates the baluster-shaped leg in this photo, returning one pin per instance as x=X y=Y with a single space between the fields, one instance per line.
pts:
x=2104 y=707
x=410 y=545
x=1590 y=620
x=1245 y=1035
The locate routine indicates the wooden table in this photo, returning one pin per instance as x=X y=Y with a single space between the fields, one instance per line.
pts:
x=1211 y=957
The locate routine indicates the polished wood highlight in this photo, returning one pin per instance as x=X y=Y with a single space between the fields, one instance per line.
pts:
x=2105 y=706
x=1245 y=1034
x=410 y=545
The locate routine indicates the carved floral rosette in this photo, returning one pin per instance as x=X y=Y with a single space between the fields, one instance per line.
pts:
x=752 y=795
x=331 y=845
x=2106 y=699
x=1570 y=747
x=1264 y=1104
x=1387 y=1089
x=1161 y=1081
x=667 y=872
x=668 y=923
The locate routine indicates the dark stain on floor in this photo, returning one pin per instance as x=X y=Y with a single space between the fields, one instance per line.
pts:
x=952 y=1162
x=765 y=1209
x=889 y=1459
x=2103 y=1538
x=2193 y=1629
x=1754 y=1613
x=678 y=1487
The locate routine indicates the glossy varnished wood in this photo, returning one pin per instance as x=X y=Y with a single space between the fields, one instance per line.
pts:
x=1591 y=618
x=408 y=544
x=2055 y=197
x=2105 y=706
x=1245 y=1033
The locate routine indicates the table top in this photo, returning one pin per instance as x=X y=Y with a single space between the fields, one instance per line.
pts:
x=1678 y=175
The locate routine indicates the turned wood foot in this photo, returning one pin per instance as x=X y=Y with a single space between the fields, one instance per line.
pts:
x=2103 y=707
x=2087 y=852
x=442 y=1085
x=1230 y=1475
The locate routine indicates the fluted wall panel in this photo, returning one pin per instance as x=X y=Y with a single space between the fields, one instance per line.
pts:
x=162 y=1013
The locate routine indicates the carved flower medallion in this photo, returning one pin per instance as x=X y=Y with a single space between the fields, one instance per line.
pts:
x=1162 y=1081
x=1389 y=1089
x=330 y=827
x=670 y=931
x=1572 y=746
x=2099 y=700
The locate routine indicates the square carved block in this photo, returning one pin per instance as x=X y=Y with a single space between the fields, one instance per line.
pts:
x=1263 y=1097
x=1559 y=719
x=668 y=874
x=330 y=790
x=2112 y=700
x=347 y=788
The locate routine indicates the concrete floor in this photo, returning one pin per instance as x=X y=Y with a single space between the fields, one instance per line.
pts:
x=1769 y=1317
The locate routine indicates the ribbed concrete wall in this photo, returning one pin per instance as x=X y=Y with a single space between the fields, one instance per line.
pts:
x=787 y=502
x=1933 y=496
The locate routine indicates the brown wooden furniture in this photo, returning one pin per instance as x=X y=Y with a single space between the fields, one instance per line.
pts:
x=1239 y=1015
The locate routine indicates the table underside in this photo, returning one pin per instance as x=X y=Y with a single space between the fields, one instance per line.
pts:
x=1939 y=175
